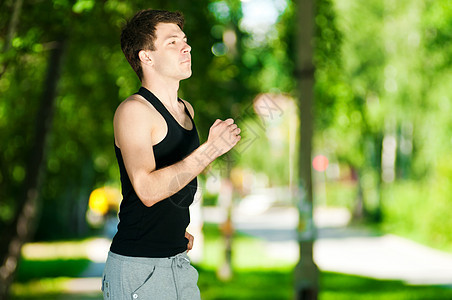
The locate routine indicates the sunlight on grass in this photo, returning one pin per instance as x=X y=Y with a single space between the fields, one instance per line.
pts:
x=248 y=252
x=57 y=285
x=41 y=286
x=94 y=249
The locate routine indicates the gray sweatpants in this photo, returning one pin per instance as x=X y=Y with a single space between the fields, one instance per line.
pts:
x=172 y=278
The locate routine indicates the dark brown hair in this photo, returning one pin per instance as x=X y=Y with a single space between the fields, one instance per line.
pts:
x=139 y=34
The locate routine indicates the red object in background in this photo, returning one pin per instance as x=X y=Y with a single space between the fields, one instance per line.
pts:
x=320 y=163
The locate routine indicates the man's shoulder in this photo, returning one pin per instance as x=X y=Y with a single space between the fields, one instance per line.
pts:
x=135 y=107
x=135 y=104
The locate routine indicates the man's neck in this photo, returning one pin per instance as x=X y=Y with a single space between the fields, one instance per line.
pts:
x=164 y=90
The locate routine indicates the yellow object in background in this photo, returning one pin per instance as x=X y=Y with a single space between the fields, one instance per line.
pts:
x=98 y=201
x=104 y=199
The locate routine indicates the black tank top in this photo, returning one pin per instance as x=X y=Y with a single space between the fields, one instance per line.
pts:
x=159 y=230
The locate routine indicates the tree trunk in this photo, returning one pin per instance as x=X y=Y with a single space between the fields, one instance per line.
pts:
x=11 y=32
x=22 y=228
x=226 y=199
x=306 y=272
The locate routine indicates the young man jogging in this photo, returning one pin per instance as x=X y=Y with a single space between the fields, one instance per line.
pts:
x=159 y=157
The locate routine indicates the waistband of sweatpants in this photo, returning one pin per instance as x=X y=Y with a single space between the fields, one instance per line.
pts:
x=153 y=261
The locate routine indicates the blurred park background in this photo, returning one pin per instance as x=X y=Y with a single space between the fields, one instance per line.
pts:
x=380 y=158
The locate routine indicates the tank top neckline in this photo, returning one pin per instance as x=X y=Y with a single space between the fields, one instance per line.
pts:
x=151 y=95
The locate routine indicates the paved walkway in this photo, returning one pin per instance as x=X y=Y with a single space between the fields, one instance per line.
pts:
x=345 y=250
x=337 y=248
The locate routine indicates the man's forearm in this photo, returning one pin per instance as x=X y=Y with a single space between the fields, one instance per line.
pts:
x=160 y=184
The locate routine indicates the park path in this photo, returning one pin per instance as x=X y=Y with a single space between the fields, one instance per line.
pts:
x=339 y=248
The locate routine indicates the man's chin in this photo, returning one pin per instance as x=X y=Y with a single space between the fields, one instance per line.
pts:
x=187 y=75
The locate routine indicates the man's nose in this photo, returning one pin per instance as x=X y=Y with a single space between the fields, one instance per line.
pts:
x=186 y=48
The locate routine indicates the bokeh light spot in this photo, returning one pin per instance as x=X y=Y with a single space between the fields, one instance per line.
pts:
x=320 y=163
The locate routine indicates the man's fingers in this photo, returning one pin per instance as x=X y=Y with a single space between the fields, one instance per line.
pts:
x=234 y=129
x=229 y=121
x=223 y=135
x=217 y=121
x=190 y=240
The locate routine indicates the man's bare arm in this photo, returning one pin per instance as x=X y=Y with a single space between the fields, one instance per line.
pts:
x=133 y=133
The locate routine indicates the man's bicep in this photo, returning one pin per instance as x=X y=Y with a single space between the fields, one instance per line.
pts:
x=133 y=136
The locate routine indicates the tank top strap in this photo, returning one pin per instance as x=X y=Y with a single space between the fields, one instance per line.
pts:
x=151 y=98
x=186 y=109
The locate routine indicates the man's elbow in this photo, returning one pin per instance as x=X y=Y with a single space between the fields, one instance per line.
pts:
x=148 y=188
x=146 y=197
x=148 y=203
x=145 y=193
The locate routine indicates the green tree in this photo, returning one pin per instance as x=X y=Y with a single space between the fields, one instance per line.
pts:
x=18 y=227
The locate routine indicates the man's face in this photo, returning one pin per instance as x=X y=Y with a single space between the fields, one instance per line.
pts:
x=171 y=56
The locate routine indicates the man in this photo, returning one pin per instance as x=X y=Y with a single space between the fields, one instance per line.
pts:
x=159 y=157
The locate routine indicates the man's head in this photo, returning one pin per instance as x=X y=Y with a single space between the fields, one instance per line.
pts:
x=140 y=33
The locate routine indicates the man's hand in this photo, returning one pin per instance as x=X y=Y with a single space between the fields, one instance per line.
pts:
x=190 y=241
x=223 y=135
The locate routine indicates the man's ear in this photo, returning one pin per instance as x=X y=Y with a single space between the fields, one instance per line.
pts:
x=144 y=57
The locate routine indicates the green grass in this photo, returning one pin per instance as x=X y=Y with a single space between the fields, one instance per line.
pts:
x=50 y=288
x=248 y=253
x=58 y=296
x=255 y=276
x=252 y=284
x=36 y=269
x=267 y=284
x=347 y=287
